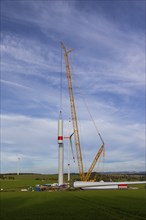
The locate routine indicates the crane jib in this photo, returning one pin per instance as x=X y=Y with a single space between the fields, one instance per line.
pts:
x=75 y=124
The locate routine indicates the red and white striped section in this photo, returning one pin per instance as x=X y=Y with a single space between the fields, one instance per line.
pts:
x=60 y=131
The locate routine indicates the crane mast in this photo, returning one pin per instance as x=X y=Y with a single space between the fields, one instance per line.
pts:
x=73 y=114
x=83 y=177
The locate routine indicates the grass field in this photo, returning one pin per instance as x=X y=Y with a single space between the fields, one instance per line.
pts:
x=97 y=204
x=109 y=205
x=24 y=181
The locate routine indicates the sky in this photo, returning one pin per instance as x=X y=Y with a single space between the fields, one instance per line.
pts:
x=108 y=75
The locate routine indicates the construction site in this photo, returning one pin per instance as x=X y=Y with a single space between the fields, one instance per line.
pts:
x=73 y=196
x=86 y=182
x=86 y=178
x=73 y=112
x=75 y=133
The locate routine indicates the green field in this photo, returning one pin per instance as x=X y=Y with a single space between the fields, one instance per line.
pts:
x=24 y=181
x=109 y=204
x=97 y=204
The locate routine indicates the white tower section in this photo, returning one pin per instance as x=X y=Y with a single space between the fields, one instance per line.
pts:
x=60 y=152
x=18 y=166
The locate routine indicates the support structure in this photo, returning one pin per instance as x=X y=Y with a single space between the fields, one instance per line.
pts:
x=73 y=114
x=60 y=151
x=18 y=166
x=83 y=177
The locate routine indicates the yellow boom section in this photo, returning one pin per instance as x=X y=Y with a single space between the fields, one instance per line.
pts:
x=87 y=176
x=74 y=115
x=83 y=177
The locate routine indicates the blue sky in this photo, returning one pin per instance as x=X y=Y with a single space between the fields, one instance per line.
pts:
x=107 y=64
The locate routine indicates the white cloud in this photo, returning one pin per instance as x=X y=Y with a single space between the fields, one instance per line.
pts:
x=27 y=51
x=107 y=61
x=124 y=60
x=35 y=139
x=15 y=84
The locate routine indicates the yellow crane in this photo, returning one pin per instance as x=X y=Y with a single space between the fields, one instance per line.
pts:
x=83 y=177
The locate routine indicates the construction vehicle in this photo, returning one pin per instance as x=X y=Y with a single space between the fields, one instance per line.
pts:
x=83 y=176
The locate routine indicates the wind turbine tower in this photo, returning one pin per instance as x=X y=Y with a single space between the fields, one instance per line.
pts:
x=18 y=166
x=60 y=151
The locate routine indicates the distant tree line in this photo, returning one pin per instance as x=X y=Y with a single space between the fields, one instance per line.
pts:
x=119 y=177
x=6 y=177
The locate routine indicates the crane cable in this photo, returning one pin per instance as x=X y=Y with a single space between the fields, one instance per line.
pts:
x=85 y=103
x=61 y=84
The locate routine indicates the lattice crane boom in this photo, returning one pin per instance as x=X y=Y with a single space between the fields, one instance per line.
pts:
x=87 y=176
x=83 y=177
x=73 y=114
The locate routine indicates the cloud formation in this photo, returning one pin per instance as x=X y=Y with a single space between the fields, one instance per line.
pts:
x=108 y=65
